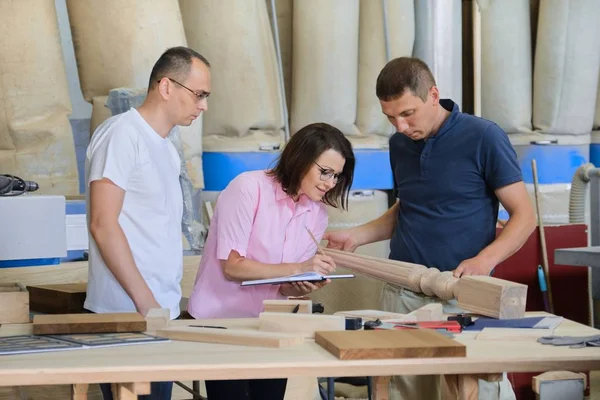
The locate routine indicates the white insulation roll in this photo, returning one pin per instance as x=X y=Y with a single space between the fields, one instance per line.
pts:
x=237 y=39
x=36 y=140
x=100 y=113
x=117 y=42
x=506 y=64
x=373 y=55
x=361 y=292
x=438 y=42
x=325 y=64
x=567 y=61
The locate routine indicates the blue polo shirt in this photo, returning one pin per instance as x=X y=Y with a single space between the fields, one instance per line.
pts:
x=445 y=185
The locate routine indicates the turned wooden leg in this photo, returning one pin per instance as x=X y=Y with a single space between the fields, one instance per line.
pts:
x=381 y=388
x=79 y=391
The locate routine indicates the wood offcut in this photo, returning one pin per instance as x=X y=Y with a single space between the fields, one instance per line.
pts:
x=383 y=344
x=55 y=324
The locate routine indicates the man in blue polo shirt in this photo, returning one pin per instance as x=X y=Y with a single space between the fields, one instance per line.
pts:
x=451 y=170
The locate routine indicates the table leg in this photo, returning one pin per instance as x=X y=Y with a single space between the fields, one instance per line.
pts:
x=79 y=391
x=381 y=388
x=129 y=391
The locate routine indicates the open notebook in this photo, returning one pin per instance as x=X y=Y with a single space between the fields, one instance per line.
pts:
x=305 y=276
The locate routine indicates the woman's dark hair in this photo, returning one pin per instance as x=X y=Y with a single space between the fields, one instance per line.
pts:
x=303 y=149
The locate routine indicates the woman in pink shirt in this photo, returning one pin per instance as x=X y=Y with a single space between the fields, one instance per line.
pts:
x=258 y=231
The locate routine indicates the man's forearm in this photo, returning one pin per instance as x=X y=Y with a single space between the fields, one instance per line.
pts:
x=116 y=253
x=512 y=237
x=379 y=229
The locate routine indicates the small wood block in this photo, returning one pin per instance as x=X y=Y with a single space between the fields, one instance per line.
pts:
x=287 y=306
x=305 y=324
x=157 y=318
x=242 y=337
x=14 y=304
x=54 y=324
x=492 y=297
x=549 y=376
x=381 y=344
x=430 y=312
x=67 y=298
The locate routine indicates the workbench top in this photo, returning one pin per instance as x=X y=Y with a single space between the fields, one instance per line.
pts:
x=177 y=360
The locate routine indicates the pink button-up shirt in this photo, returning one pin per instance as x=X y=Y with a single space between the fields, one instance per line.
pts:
x=256 y=218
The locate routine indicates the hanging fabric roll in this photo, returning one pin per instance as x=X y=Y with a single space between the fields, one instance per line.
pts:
x=246 y=104
x=438 y=42
x=567 y=62
x=506 y=64
x=117 y=42
x=373 y=55
x=325 y=64
x=36 y=140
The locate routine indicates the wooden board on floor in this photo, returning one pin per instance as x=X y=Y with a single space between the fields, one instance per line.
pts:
x=380 y=344
x=54 y=324
x=242 y=337
x=64 y=298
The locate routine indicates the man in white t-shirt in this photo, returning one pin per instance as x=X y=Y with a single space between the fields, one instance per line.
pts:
x=134 y=199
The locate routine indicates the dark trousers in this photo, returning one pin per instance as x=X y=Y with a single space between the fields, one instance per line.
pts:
x=254 y=389
x=158 y=391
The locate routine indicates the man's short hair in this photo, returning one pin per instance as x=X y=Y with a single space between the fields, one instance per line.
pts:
x=175 y=63
x=401 y=74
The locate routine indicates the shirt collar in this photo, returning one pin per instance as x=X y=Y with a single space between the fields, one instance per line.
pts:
x=302 y=205
x=451 y=106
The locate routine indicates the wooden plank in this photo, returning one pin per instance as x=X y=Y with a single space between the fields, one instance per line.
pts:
x=62 y=298
x=380 y=344
x=512 y=334
x=14 y=304
x=242 y=337
x=53 y=324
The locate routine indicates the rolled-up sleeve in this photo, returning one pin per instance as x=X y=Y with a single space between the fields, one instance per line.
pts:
x=234 y=214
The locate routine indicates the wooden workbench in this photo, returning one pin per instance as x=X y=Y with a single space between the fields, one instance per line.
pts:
x=201 y=361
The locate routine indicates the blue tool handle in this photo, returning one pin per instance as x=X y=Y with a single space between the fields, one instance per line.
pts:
x=542 y=279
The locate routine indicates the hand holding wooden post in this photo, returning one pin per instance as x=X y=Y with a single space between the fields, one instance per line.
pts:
x=483 y=295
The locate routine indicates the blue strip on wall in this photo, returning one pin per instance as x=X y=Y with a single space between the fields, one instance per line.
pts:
x=34 y=262
x=555 y=163
x=595 y=154
x=372 y=168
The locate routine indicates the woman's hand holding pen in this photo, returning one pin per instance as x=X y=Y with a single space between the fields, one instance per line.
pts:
x=320 y=263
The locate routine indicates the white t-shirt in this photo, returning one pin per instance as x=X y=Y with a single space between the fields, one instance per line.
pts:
x=126 y=150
